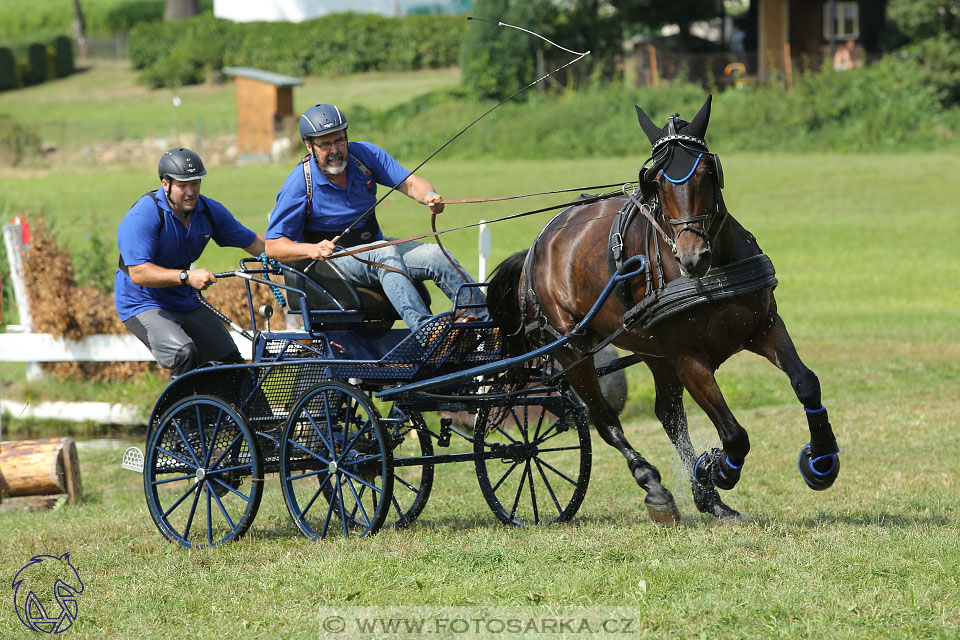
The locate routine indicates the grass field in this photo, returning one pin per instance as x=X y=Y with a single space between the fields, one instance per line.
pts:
x=865 y=248
x=102 y=102
x=866 y=255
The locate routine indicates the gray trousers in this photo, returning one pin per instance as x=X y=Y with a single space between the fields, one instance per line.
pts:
x=183 y=341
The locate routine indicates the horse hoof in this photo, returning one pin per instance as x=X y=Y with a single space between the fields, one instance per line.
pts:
x=729 y=516
x=819 y=473
x=665 y=515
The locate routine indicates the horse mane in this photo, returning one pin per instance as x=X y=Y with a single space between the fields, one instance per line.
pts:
x=503 y=301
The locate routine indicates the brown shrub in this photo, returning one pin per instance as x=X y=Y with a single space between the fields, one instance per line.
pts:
x=65 y=309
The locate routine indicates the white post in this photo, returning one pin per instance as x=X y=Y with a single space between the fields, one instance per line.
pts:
x=13 y=240
x=484 y=250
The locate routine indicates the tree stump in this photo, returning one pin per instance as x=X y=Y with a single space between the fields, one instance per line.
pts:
x=40 y=468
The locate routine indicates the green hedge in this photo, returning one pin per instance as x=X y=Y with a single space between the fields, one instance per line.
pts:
x=104 y=18
x=880 y=107
x=8 y=70
x=23 y=63
x=182 y=53
x=36 y=68
x=62 y=56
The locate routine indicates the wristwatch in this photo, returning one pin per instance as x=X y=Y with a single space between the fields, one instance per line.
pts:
x=183 y=276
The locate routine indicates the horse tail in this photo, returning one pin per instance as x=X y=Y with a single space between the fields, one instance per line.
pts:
x=503 y=300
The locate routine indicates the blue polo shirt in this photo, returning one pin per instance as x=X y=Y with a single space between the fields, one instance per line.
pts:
x=142 y=238
x=334 y=207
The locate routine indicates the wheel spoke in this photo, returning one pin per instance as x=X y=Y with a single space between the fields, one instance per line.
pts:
x=504 y=476
x=176 y=425
x=536 y=433
x=360 y=480
x=316 y=427
x=359 y=503
x=533 y=496
x=220 y=503
x=213 y=439
x=316 y=495
x=232 y=490
x=214 y=472
x=348 y=446
x=209 y=519
x=179 y=500
x=227 y=450
x=558 y=472
x=186 y=477
x=305 y=450
x=343 y=514
x=193 y=510
x=516 y=500
x=176 y=457
x=546 y=482
x=406 y=484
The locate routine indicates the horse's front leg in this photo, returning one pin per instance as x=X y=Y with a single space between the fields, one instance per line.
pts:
x=720 y=467
x=659 y=501
x=673 y=417
x=819 y=461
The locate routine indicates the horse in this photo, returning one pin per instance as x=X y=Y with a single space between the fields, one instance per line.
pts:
x=706 y=292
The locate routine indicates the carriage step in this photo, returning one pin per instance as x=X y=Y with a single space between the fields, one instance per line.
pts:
x=133 y=460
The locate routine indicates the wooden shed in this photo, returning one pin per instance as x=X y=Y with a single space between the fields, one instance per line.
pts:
x=264 y=104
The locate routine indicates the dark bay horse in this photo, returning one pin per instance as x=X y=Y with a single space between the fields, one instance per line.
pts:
x=712 y=294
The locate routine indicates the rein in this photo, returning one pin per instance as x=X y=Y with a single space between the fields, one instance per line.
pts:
x=389 y=243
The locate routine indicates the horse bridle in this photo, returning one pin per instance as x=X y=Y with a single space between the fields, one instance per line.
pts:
x=706 y=231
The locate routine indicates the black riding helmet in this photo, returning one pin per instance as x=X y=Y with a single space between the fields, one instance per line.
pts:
x=321 y=119
x=181 y=164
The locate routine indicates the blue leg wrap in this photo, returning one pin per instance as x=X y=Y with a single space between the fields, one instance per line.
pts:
x=818 y=472
x=718 y=468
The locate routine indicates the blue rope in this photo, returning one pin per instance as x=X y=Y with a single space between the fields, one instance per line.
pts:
x=269 y=263
x=686 y=177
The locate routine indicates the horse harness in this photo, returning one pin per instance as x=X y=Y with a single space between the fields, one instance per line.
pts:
x=662 y=299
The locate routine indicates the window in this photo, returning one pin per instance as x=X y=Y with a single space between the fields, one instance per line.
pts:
x=844 y=21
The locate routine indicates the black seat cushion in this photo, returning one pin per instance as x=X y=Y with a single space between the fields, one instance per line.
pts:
x=349 y=294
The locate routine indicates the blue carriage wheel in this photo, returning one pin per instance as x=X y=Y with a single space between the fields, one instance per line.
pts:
x=336 y=467
x=533 y=458
x=202 y=473
x=412 y=483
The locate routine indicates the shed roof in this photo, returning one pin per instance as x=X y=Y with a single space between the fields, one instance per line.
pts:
x=269 y=77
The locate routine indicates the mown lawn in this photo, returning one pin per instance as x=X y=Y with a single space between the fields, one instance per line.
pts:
x=865 y=248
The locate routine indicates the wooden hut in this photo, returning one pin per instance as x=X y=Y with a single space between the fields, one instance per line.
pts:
x=264 y=106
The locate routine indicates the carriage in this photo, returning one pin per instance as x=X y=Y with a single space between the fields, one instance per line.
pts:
x=337 y=408
x=354 y=415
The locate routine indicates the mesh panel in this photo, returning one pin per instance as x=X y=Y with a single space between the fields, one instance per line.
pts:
x=181 y=445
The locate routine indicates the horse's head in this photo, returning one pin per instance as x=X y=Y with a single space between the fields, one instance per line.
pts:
x=683 y=182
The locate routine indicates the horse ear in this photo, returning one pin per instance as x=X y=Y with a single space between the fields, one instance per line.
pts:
x=653 y=131
x=698 y=126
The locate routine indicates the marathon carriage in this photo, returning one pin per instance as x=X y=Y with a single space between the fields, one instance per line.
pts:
x=304 y=409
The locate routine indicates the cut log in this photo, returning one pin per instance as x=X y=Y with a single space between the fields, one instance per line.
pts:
x=40 y=468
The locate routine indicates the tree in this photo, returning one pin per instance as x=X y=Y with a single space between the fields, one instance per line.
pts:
x=494 y=59
x=79 y=30
x=180 y=9
x=497 y=61
x=932 y=28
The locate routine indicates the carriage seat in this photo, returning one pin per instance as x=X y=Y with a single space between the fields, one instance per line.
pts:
x=326 y=283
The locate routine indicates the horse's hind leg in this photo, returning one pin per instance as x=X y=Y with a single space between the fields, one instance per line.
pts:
x=673 y=417
x=819 y=463
x=659 y=501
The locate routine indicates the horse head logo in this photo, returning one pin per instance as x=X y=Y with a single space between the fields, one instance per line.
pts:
x=45 y=593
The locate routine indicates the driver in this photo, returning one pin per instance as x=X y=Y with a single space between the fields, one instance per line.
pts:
x=335 y=183
x=155 y=289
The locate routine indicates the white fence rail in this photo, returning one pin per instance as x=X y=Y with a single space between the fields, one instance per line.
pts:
x=43 y=347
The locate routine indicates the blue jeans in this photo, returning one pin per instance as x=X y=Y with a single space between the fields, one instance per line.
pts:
x=422 y=261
